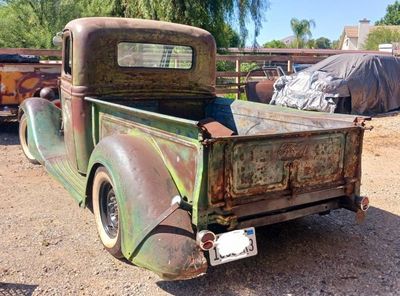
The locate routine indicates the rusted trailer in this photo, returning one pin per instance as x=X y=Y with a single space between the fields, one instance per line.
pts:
x=177 y=177
x=23 y=76
x=259 y=83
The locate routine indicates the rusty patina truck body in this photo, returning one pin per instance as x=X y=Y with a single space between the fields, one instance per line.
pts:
x=165 y=164
x=22 y=78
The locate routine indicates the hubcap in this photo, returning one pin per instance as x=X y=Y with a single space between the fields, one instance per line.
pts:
x=109 y=210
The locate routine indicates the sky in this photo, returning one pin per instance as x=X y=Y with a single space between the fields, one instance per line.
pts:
x=330 y=16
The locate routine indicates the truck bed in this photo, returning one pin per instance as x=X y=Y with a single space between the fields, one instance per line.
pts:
x=282 y=163
x=243 y=118
x=255 y=119
x=274 y=159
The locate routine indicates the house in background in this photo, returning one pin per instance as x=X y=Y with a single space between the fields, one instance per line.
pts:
x=354 y=37
x=288 y=40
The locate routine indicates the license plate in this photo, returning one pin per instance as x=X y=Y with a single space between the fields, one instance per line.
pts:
x=234 y=245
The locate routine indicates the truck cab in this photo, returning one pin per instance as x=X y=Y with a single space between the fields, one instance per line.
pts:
x=178 y=178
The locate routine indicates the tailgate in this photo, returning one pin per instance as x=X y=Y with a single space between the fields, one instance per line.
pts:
x=295 y=162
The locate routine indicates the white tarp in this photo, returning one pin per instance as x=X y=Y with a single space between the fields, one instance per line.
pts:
x=371 y=82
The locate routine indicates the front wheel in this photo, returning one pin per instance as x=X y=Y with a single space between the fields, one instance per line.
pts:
x=106 y=212
x=23 y=139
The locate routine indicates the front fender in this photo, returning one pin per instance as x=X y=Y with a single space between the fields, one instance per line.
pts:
x=44 y=124
x=144 y=190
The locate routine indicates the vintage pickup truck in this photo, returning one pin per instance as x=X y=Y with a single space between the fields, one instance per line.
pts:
x=178 y=178
x=24 y=75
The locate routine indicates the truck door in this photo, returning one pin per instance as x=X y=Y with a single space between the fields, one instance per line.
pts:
x=66 y=98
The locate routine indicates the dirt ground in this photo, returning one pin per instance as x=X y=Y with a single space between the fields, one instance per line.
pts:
x=49 y=246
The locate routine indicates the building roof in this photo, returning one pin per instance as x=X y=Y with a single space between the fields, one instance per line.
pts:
x=352 y=31
x=288 y=39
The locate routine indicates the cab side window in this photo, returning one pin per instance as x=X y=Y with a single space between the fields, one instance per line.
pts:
x=68 y=56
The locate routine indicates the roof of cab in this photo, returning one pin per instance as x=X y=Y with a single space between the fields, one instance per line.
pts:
x=93 y=24
x=95 y=53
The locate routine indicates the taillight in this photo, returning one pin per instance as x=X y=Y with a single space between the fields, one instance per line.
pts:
x=206 y=239
x=362 y=202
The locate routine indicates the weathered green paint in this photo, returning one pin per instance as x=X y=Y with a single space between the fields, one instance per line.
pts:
x=145 y=127
x=144 y=190
x=45 y=141
x=44 y=122
x=179 y=145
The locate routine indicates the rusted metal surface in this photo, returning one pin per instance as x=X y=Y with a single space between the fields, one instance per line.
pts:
x=31 y=51
x=162 y=133
x=298 y=51
x=21 y=81
x=289 y=163
x=278 y=156
x=273 y=202
x=295 y=162
x=44 y=124
x=259 y=91
x=178 y=154
x=106 y=77
x=214 y=129
x=290 y=215
x=259 y=84
x=145 y=190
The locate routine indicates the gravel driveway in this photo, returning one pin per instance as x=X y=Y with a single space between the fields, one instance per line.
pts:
x=49 y=246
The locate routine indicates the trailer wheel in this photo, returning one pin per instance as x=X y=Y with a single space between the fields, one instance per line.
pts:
x=23 y=139
x=106 y=212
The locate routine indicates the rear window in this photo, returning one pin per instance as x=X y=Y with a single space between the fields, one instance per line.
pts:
x=147 y=55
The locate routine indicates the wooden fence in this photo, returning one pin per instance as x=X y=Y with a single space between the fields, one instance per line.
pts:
x=232 y=82
x=32 y=51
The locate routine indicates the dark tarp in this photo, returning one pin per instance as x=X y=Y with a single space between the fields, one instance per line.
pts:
x=372 y=82
x=18 y=58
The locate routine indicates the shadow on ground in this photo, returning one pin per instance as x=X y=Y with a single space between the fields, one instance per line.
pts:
x=324 y=255
x=9 y=133
x=8 y=289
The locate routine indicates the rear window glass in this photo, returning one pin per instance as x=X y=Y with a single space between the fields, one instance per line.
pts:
x=147 y=55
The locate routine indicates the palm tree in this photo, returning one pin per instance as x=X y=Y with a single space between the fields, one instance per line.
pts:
x=301 y=30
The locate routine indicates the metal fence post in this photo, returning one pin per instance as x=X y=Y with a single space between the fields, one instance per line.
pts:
x=237 y=80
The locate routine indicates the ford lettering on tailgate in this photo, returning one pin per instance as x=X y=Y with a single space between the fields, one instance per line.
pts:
x=272 y=165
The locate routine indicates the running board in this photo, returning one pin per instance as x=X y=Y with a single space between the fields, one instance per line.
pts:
x=60 y=168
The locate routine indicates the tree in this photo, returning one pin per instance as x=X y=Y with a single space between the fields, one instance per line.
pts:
x=212 y=15
x=33 y=23
x=231 y=38
x=274 y=44
x=323 y=43
x=335 y=44
x=311 y=43
x=301 y=30
x=381 y=35
x=392 y=16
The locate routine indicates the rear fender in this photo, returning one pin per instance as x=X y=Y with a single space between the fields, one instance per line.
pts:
x=144 y=190
x=44 y=124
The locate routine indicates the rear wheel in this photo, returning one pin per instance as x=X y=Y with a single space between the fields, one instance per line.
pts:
x=23 y=139
x=106 y=212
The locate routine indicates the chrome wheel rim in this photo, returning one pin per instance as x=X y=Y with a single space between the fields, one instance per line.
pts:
x=109 y=210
